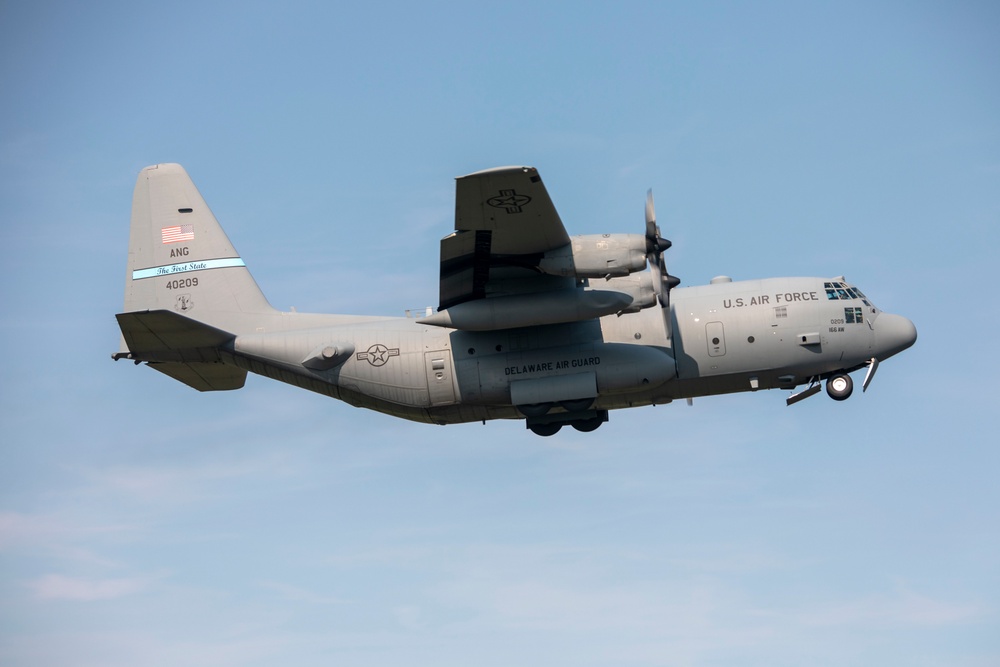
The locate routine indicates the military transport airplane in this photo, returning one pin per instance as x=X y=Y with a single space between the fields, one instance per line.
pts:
x=532 y=323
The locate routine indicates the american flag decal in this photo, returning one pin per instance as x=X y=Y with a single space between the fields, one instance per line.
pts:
x=178 y=233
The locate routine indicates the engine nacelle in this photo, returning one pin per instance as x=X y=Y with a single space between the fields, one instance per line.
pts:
x=597 y=256
x=639 y=287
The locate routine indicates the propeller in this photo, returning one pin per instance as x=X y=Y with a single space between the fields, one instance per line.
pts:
x=663 y=282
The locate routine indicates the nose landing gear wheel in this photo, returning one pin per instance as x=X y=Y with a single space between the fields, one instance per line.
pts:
x=840 y=386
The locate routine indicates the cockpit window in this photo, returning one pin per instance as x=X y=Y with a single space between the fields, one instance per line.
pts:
x=835 y=291
x=838 y=291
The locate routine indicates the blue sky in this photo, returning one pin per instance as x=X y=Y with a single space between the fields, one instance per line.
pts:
x=144 y=523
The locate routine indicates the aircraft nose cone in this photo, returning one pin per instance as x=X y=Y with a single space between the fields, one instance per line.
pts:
x=893 y=334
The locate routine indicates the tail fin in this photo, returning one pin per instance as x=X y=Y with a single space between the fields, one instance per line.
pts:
x=179 y=257
x=187 y=292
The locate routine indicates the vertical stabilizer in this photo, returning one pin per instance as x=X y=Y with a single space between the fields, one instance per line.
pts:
x=179 y=257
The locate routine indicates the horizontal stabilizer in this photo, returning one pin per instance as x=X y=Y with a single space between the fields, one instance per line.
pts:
x=160 y=335
x=204 y=376
x=180 y=347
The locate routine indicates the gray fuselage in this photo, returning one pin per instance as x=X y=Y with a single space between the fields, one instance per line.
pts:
x=727 y=337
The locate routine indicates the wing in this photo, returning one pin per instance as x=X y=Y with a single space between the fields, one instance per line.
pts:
x=505 y=223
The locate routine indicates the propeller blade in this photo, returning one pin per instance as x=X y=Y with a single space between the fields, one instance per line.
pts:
x=656 y=268
x=663 y=282
x=652 y=231
x=655 y=244
x=668 y=328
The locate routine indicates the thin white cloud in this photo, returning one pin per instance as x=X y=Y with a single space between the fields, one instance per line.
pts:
x=17 y=529
x=299 y=594
x=33 y=531
x=62 y=587
x=178 y=483
x=904 y=607
x=408 y=616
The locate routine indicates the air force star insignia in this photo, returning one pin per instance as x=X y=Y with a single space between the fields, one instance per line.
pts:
x=378 y=354
x=509 y=200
